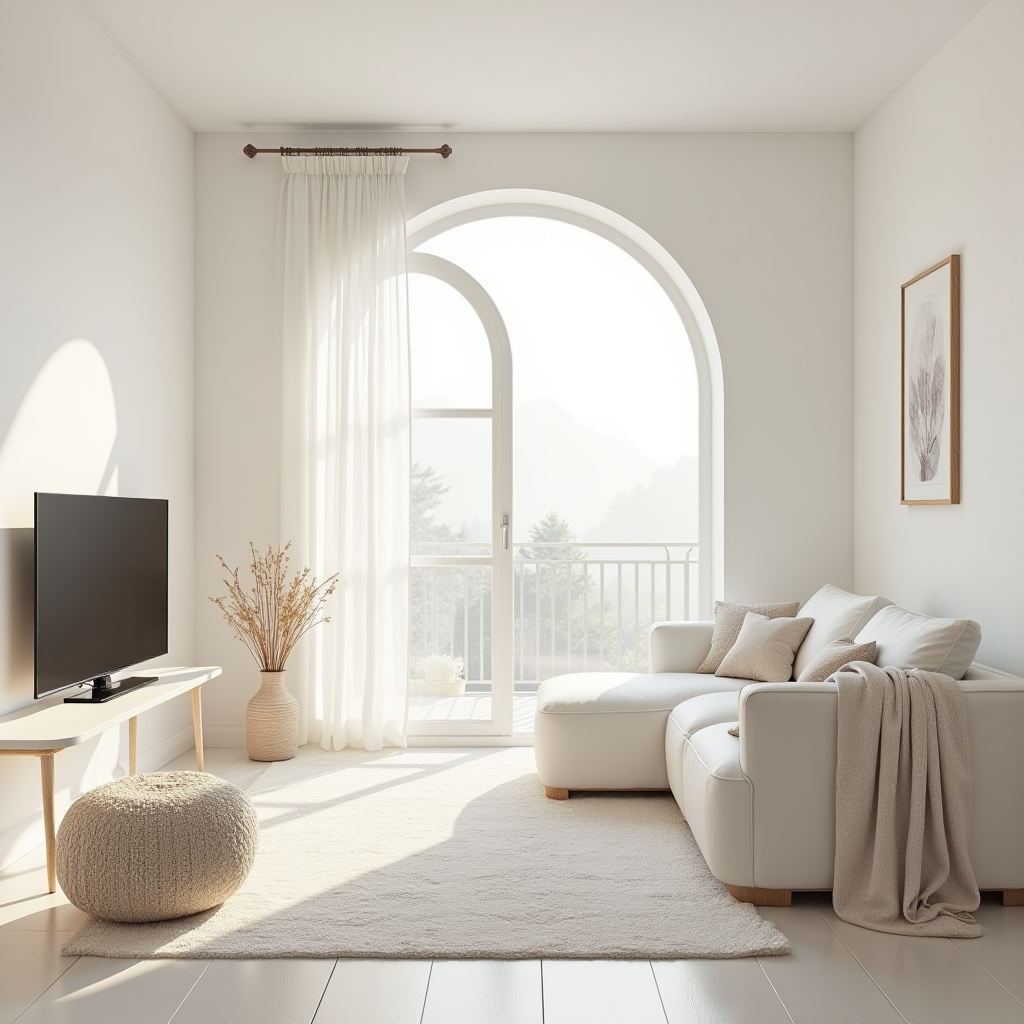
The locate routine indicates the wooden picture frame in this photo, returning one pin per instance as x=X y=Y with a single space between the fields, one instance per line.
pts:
x=930 y=386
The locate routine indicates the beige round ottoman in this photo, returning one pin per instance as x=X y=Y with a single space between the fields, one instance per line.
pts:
x=155 y=846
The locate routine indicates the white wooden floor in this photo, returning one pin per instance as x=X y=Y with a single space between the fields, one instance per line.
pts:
x=836 y=974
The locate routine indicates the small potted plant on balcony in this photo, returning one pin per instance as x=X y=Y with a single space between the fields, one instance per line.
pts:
x=269 y=619
x=443 y=675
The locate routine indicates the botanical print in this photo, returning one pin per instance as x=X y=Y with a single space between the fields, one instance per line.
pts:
x=930 y=391
x=927 y=390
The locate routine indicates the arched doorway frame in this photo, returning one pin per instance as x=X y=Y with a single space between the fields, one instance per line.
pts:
x=499 y=558
x=659 y=262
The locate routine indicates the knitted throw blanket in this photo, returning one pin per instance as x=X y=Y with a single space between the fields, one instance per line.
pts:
x=903 y=803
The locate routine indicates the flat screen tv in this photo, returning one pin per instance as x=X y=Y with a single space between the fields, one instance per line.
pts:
x=101 y=591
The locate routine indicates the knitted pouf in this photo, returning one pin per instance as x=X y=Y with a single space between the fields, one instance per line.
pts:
x=151 y=847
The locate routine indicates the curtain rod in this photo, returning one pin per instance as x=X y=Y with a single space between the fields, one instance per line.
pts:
x=250 y=151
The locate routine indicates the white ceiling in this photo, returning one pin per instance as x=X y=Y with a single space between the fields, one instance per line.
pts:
x=531 y=65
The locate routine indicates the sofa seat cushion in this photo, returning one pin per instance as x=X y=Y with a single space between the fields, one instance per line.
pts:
x=717 y=800
x=603 y=693
x=606 y=730
x=688 y=719
x=708 y=709
x=719 y=752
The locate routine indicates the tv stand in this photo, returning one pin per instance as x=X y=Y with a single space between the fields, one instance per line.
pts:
x=45 y=729
x=103 y=689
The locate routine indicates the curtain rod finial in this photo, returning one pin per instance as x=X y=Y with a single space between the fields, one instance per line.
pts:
x=250 y=151
x=445 y=151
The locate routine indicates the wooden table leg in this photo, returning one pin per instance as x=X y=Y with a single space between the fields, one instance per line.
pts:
x=197 y=726
x=46 y=771
x=133 y=745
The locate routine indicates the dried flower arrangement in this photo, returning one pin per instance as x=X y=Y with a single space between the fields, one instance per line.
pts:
x=270 y=618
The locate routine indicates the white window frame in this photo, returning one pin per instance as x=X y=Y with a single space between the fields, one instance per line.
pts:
x=500 y=559
x=688 y=304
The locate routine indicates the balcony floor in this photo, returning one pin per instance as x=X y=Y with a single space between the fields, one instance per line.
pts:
x=472 y=707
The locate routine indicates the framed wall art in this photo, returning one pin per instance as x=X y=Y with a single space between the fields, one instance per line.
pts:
x=930 y=372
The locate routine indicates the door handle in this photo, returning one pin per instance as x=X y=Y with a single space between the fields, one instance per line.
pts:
x=504 y=532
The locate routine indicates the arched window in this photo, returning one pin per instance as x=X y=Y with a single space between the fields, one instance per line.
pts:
x=563 y=450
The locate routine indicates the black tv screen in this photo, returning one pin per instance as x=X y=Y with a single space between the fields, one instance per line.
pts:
x=101 y=586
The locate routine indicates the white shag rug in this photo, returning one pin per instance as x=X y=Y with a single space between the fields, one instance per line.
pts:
x=440 y=854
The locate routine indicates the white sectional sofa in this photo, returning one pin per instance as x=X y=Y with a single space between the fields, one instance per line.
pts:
x=762 y=806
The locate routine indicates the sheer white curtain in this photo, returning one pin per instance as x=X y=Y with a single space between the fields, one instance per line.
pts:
x=345 y=443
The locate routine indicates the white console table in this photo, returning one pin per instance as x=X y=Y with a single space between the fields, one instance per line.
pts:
x=42 y=729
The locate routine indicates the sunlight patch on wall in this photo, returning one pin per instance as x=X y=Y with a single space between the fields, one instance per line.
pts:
x=62 y=437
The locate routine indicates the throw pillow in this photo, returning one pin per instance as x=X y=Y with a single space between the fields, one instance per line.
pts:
x=833 y=657
x=765 y=649
x=728 y=623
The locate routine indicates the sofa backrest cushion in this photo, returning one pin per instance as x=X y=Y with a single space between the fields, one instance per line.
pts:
x=836 y=614
x=908 y=640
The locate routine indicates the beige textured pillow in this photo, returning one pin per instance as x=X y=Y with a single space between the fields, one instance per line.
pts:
x=833 y=657
x=728 y=623
x=765 y=649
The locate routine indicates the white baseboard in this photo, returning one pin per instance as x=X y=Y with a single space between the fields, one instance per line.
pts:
x=224 y=735
x=469 y=741
x=234 y=736
x=157 y=756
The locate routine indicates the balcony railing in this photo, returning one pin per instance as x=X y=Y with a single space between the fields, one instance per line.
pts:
x=588 y=607
x=576 y=606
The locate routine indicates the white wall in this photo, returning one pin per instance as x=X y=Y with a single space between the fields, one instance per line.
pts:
x=940 y=169
x=96 y=250
x=762 y=225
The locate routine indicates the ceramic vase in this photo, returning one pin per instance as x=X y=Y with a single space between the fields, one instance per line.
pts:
x=272 y=721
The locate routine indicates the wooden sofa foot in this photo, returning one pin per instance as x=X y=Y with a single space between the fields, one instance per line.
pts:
x=556 y=794
x=1013 y=897
x=761 y=897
